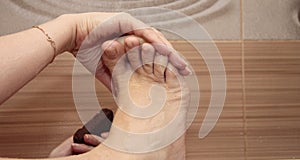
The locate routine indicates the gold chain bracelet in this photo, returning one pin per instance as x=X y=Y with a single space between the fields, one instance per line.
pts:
x=49 y=39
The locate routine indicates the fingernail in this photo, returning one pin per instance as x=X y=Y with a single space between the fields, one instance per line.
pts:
x=182 y=65
x=74 y=145
x=185 y=72
x=177 y=62
x=104 y=135
x=189 y=70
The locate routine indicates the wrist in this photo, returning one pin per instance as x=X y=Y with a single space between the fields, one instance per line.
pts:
x=68 y=26
x=61 y=30
x=81 y=25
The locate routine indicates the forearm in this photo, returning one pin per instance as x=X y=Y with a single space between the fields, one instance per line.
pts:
x=75 y=157
x=23 y=55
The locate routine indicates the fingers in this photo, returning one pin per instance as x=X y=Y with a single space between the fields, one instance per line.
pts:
x=148 y=53
x=186 y=71
x=177 y=60
x=62 y=150
x=164 y=47
x=112 y=51
x=141 y=59
x=129 y=24
x=116 y=25
x=80 y=148
x=92 y=140
x=105 y=135
x=146 y=58
x=131 y=42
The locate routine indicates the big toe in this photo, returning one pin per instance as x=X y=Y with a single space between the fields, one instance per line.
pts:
x=112 y=52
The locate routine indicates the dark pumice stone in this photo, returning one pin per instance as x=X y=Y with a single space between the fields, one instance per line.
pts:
x=100 y=123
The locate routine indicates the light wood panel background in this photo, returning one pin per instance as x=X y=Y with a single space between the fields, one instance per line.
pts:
x=260 y=120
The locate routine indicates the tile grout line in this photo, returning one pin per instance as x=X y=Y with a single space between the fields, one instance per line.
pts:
x=241 y=21
x=243 y=81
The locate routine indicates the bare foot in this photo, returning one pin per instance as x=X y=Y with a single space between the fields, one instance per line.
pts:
x=152 y=99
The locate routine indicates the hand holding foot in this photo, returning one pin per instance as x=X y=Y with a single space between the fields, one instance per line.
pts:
x=68 y=147
x=93 y=29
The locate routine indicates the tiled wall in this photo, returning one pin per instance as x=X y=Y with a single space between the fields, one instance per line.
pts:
x=261 y=19
x=271 y=19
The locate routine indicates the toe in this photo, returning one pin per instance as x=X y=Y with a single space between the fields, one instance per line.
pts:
x=171 y=76
x=160 y=64
x=132 y=47
x=147 y=55
x=174 y=57
x=113 y=50
x=134 y=58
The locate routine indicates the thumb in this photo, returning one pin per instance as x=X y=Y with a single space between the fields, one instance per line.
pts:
x=92 y=140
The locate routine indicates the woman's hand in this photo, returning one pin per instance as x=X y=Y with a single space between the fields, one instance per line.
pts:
x=68 y=148
x=90 y=140
x=97 y=28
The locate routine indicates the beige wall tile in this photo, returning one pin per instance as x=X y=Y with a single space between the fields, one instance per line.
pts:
x=272 y=99
x=271 y=19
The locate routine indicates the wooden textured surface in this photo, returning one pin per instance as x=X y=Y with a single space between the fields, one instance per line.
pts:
x=260 y=120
